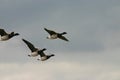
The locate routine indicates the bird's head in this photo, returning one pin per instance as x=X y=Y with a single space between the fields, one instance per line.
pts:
x=52 y=55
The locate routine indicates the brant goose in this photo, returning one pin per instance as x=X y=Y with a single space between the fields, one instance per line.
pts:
x=6 y=36
x=55 y=35
x=36 y=52
x=43 y=56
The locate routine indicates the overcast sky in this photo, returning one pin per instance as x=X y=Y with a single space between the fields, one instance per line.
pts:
x=93 y=28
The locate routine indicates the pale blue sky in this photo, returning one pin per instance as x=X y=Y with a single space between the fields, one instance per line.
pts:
x=93 y=28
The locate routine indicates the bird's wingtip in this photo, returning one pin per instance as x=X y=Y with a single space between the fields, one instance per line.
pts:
x=23 y=39
x=44 y=28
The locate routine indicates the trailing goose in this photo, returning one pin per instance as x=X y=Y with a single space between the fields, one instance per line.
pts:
x=44 y=57
x=36 y=51
x=55 y=35
x=6 y=36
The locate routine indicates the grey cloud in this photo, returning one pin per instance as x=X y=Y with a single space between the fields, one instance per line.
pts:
x=86 y=24
x=92 y=26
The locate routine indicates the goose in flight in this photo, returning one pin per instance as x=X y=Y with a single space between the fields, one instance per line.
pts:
x=36 y=51
x=6 y=36
x=44 y=57
x=55 y=35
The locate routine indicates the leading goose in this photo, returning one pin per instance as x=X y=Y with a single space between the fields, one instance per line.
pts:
x=55 y=35
x=6 y=36
x=36 y=51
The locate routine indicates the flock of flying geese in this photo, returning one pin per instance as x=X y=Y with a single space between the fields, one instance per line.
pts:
x=34 y=51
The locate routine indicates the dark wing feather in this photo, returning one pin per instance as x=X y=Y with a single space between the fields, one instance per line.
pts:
x=63 y=38
x=50 y=31
x=2 y=32
x=31 y=46
x=41 y=53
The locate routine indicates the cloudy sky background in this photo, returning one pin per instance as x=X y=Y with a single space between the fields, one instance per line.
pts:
x=93 y=28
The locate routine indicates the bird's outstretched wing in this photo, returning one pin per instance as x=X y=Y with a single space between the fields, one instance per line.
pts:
x=50 y=31
x=41 y=53
x=63 y=38
x=2 y=32
x=30 y=45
